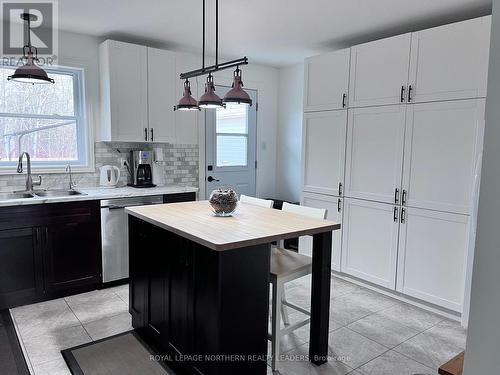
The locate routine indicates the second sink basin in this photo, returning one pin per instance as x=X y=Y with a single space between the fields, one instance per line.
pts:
x=57 y=193
x=8 y=196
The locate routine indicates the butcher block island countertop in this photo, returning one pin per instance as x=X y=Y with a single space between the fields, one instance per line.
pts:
x=250 y=225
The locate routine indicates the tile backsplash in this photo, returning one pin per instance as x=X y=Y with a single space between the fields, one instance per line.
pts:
x=179 y=167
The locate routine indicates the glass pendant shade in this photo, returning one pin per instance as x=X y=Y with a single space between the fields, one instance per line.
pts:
x=30 y=73
x=187 y=102
x=210 y=99
x=237 y=94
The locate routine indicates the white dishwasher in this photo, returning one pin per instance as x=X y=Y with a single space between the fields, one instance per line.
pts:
x=114 y=233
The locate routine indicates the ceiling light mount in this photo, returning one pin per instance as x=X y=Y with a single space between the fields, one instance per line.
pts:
x=30 y=72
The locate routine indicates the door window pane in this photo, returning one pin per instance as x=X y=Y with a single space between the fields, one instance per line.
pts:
x=231 y=151
x=232 y=119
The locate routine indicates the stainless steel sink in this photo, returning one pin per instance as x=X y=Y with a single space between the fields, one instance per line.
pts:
x=9 y=196
x=57 y=193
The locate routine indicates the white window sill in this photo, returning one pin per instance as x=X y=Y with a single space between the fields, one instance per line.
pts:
x=6 y=171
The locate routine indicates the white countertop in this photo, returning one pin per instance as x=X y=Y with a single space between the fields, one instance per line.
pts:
x=98 y=193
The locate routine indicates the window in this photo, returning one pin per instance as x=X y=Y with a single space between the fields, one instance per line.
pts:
x=47 y=121
x=232 y=135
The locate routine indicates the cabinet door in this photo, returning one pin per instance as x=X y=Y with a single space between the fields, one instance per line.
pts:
x=72 y=254
x=431 y=258
x=181 y=302
x=334 y=206
x=162 y=87
x=370 y=241
x=374 y=157
x=443 y=143
x=128 y=86
x=323 y=151
x=450 y=62
x=379 y=70
x=326 y=81
x=21 y=278
x=138 y=272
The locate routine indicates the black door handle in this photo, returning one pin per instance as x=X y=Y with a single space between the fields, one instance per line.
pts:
x=210 y=179
x=403 y=89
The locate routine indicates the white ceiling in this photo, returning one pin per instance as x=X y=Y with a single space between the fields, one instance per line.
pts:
x=273 y=32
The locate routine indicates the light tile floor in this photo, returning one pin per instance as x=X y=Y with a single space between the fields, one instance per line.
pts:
x=370 y=334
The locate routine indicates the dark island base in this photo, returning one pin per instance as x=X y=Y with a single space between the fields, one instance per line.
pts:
x=206 y=310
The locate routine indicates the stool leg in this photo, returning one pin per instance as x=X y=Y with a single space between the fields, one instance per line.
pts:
x=284 y=308
x=275 y=324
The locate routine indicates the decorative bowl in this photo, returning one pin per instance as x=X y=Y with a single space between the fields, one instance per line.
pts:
x=223 y=201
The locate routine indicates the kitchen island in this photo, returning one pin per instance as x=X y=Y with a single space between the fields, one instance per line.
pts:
x=199 y=284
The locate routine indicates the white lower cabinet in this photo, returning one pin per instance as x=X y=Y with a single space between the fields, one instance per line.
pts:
x=334 y=205
x=370 y=241
x=432 y=252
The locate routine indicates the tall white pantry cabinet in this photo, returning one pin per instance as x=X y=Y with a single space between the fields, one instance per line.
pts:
x=395 y=158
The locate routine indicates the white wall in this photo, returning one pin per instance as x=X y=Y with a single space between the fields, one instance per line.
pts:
x=483 y=339
x=290 y=106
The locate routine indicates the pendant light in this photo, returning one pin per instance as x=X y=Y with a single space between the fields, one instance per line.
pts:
x=237 y=94
x=30 y=72
x=210 y=99
x=187 y=102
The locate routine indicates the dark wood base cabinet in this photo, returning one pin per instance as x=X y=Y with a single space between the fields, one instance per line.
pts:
x=196 y=305
x=48 y=251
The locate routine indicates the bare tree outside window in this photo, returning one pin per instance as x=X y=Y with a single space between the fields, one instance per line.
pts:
x=44 y=120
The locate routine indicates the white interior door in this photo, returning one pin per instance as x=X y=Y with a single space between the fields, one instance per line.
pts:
x=443 y=142
x=374 y=157
x=370 y=241
x=432 y=255
x=231 y=141
x=323 y=151
x=379 y=70
x=334 y=206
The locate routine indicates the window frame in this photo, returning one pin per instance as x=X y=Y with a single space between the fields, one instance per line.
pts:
x=84 y=162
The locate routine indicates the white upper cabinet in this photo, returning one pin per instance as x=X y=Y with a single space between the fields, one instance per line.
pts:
x=326 y=81
x=442 y=147
x=124 y=92
x=162 y=88
x=334 y=206
x=379 y=72
x=370 y=241
x=432 y=254
x=323 y=151
x=450 y=62
x=374 y=157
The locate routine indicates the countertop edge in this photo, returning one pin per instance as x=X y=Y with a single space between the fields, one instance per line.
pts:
x=233 y=245
x=96 y=193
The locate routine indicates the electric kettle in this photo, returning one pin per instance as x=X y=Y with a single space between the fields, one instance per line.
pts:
x=110 y=175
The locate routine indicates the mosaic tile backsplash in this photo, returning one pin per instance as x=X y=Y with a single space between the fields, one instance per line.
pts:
x=179 y=167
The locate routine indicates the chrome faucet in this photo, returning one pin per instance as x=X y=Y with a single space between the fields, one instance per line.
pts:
x=71 y=185
x=29 y=179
